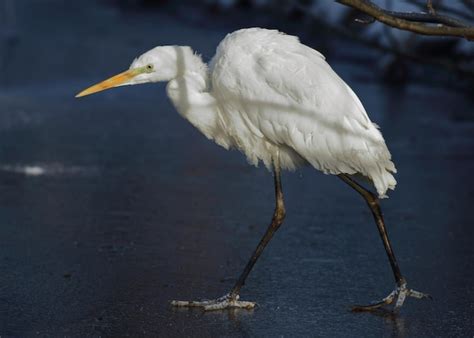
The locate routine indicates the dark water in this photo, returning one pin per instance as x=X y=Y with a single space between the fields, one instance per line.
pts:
x=113 y=205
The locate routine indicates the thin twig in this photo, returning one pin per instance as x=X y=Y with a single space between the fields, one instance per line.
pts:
x=428 y=18
x=442 y=7
x=429 y=4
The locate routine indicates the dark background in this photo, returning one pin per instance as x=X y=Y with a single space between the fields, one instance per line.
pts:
x=113 y=205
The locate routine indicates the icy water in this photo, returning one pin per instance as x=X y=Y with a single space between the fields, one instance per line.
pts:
x=111 y=206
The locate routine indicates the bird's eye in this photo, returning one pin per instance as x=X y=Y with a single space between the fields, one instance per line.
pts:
x=149 y=67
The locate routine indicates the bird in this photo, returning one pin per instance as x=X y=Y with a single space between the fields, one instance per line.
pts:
x=280 y=103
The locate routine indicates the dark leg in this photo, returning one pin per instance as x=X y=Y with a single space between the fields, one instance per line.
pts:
x=277 y=220
x=231 y=300
x=401 y=292
x=374 y=206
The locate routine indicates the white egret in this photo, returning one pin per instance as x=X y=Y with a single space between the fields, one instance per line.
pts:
x=279 y=102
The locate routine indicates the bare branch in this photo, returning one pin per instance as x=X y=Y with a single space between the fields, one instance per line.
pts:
x=428 y=18
x=414 y=22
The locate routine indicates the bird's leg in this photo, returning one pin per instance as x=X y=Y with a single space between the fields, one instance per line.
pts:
x=231 y=300
x=401 y=291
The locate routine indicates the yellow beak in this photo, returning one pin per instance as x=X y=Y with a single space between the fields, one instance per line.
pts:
x=112 y=82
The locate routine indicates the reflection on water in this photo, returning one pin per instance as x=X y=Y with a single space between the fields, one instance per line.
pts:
x=397 y=324
x=51 y=169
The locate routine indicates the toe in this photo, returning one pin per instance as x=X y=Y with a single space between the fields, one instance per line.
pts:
x=245 y=305
x=229 y=304
x=179 y=303
x=419 y=295
x=186 y=303
x=217 y=306
x=370 y=307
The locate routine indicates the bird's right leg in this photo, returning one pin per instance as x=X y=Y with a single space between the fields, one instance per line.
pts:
x=401 y=292
x=231 y=300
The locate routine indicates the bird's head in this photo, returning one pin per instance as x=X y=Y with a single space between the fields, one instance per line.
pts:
x=158 y=64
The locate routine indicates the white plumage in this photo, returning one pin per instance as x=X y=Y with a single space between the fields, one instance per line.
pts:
x=275 y=93
x=279 y=102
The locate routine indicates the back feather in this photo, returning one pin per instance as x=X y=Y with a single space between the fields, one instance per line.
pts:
x=289 y=95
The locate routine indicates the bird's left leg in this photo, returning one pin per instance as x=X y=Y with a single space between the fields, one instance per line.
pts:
x=401 y=291
x=231 y=300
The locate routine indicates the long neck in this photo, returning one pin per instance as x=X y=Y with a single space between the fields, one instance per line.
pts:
x=189 y=92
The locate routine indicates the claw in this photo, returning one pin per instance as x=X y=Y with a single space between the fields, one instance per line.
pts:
x=224 y=302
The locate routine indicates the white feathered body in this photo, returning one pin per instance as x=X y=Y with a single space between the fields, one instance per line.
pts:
x=265 y=94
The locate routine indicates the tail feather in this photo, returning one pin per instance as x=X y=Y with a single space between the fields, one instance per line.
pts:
x=384 y=180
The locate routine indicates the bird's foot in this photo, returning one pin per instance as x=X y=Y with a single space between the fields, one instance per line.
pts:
x=225 y=302
x=396 y=297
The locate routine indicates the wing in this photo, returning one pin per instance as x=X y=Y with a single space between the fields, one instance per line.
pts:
x=290 y=96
